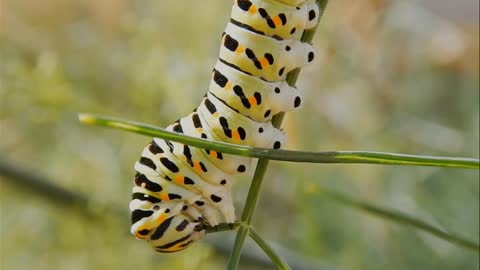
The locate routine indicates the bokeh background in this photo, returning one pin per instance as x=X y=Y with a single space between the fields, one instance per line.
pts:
x=395 y=76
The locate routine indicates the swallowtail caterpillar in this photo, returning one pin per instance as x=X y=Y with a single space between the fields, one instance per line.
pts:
x=179 y=189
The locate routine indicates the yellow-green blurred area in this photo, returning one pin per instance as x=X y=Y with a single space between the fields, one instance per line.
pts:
x=393 y=76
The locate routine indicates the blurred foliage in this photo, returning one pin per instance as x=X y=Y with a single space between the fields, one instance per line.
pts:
x=391 y=76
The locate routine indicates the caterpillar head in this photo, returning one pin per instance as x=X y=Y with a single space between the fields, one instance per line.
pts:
x=164 y=225
x=147 y=216
x=176 y=233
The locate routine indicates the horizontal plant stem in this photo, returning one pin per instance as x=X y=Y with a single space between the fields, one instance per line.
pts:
x=222 y=227
x=279 y=262
x=400 y=218
x=358 y=157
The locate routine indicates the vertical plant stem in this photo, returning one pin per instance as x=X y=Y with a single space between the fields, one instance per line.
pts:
x=254 y=192
x=242 y=233
x=255 y=187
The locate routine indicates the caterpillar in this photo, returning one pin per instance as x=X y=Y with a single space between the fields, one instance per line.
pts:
x=179 y=189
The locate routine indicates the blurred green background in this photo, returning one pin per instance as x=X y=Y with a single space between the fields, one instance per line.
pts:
x=395 y=76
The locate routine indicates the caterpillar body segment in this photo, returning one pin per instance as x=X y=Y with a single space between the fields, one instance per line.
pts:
x=227 y=163
x=186 y=178
x=168 y=192
x=178 y=189
x=274 y=19
x=262 y=56
x=233 y=127
x=176 y=233
x=253 y=97
x=146 y=217
x=195 y=158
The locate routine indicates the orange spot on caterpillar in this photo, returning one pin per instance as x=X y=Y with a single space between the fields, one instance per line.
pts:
x=164 y=197
x=235 y=135
x=240 y=49
x=253 y=9
x=264 y=62
x=143 y=185
x=213 y=154
x=162 y=218
x=197 y=166
x=180 y=179
x=228 y=86
x=216 y=114
x=277 y=21
x=200 y=130
x=253 y=101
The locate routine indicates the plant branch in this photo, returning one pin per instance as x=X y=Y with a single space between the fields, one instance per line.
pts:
x=357 y=157
x=222 y=227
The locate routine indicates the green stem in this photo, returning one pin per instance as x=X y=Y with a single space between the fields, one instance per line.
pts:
x=223 y=227
x=357 y=157
x=279 y=262
x=234 y=258
x=400 y=218
x=254 y=191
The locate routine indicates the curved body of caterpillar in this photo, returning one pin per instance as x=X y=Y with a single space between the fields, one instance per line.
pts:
x=179 y=189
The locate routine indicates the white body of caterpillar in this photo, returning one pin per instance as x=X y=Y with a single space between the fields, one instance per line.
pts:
x=179 y=189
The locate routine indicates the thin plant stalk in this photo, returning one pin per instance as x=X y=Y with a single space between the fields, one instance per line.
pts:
x=240 y=238
x=353 y=157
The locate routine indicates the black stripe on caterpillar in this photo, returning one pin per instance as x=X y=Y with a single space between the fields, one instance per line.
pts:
x=179 y=189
